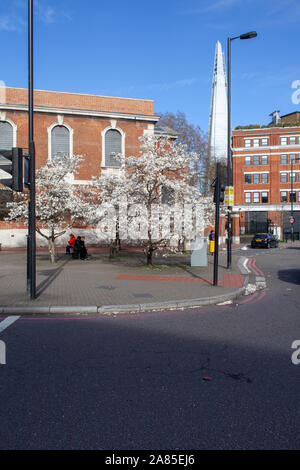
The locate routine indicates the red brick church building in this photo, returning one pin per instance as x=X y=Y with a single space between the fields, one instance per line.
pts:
x=71 y=123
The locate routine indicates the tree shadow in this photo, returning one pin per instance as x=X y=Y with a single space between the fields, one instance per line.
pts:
x=51 y=274
x=289 y=275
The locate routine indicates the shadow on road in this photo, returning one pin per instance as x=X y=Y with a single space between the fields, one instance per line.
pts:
x=289 y=275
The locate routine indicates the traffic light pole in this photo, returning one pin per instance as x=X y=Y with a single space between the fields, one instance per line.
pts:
x=229 y=170
x=31 y=246
x=217 y=223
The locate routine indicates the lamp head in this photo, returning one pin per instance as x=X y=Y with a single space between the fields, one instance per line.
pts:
x=251 y=34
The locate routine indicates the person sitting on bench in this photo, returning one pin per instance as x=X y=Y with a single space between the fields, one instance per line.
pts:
x=79 y=248
x=70 y=244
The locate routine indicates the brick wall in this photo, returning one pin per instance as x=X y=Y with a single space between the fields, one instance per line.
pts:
x=80 y=101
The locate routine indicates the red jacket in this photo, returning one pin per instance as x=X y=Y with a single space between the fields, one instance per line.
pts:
x=72 y=241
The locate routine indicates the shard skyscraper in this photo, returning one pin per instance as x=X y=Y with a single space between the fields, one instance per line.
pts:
x=217 y=127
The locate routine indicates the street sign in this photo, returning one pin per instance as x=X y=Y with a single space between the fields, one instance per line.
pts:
x=292 y=220
x=229 y=196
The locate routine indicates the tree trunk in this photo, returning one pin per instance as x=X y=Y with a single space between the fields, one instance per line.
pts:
x=149 y=254
x=112 y=249
x=51 y=246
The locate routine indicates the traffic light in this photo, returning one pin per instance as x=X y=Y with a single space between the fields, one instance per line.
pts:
x=222 y=193
x=219 y=192
x=13 y=166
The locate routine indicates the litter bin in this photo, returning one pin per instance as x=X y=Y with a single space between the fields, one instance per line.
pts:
x=199 y=252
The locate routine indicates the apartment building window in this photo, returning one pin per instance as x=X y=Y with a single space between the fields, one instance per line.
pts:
x=298 y=196
x=283 y=196
x=256 y=178
x=248 y=198
x=293 y=196
x=247 y=179
x=247 y=142
x=298 y=177
x=255 y=142
x=255 y=159
x=292 y=140
x=264 y=159
x=256 y=197
x=283 y=159
x=247 y=160
x=283 y=140
x=264 y=178
x=264 y=197
x=293 y=158
x=293 y=177
x=283 y=177
x=264 y=141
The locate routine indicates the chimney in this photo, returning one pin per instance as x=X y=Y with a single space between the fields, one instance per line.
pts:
x=275 y=117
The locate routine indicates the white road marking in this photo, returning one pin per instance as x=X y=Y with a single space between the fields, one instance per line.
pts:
x=8 y=321
x=246 y=267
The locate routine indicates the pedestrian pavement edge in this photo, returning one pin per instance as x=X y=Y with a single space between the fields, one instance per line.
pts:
x=132 y=308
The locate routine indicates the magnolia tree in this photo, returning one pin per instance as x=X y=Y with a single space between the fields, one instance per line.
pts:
x=58 y=202
x=159 y=203
x=108 y=207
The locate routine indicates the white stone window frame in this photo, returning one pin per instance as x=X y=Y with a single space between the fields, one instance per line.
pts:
x=262 y=141
x=3 y=118
x=255 y=142
x=114 y=127
x=60 y=122
x=284 y=137
x=247 y=142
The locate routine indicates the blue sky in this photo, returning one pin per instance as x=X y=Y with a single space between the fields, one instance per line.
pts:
x=161 y=50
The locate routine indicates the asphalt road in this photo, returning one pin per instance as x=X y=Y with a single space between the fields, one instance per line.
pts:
x=219 y=377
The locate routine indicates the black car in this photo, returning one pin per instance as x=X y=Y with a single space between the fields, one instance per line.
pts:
x=266 y=240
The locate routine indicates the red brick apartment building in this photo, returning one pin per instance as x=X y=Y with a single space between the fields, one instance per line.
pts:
x=71 y=123
x=266 y=176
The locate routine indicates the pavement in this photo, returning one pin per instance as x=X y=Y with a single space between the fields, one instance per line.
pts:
x=124 y=284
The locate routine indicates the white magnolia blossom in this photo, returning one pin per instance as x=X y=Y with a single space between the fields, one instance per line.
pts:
x=59 y=203
x=151 y=200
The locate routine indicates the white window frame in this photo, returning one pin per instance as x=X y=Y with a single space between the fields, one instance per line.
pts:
x=3 y=118
x=256 y=194
x=71 y=134
x=123 y=136
x=286 y=196
x=248 y=196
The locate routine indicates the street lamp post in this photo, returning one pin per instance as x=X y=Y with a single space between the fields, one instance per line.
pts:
x=251 y=34
x=31 y=244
